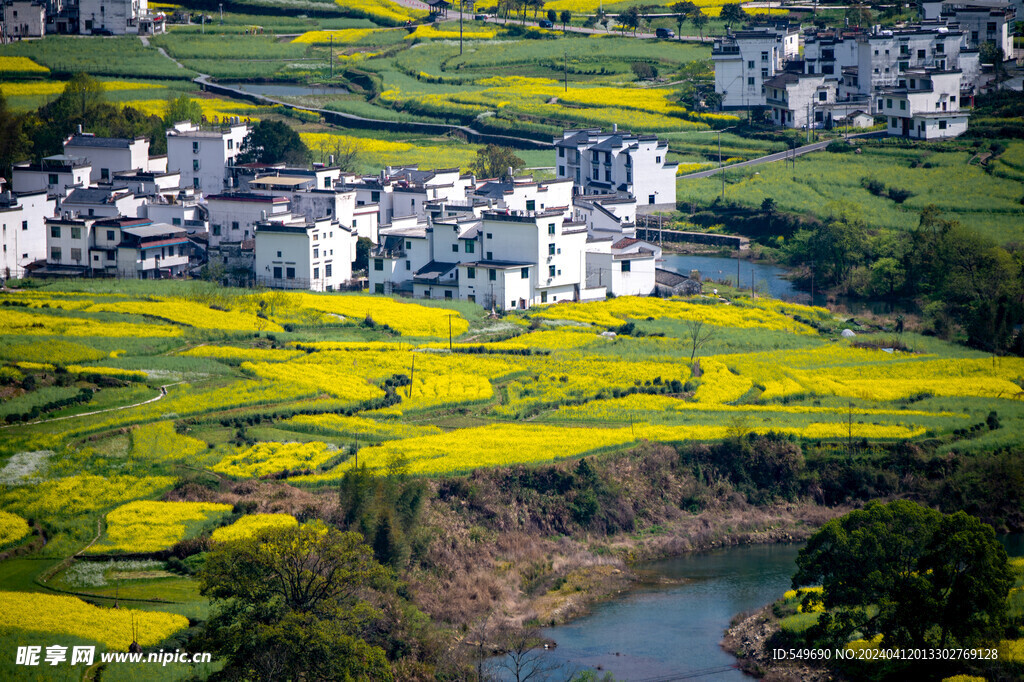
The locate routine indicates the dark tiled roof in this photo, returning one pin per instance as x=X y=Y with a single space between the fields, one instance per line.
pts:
x=92 y=141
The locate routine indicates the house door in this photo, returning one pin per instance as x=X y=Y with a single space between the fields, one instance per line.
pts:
x=906 y=126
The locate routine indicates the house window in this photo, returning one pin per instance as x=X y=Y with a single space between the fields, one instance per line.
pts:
x=551 y=249
x=750 y=64
x=76 y=255
x=543 y=297
x=55 y=231
x=24 y=224
x=489 y=235
x=408 y=265
x=942 y=125
x=53 y=179
x=888 y=104
x=314 y=253
x=471 y=298
x=378 y=264
x=448 y=294
x=110 y=255
x=195 y=147
x=176 y=221
x=750 y=81
x=408 y=245
x=607 y=175
x=316 y=273
x=231 y=143
x=374 y=196
x=531 y=205
x=551 y=271
x=561 y=152
x=455 y=248
x=55 y=253
x=626 y=266
x=277 y=272
x=561 y=170
x=650 y=198
x=764 y=56
x=289 y=273
x=378 y=288
x=903 y=104
x=104 y=173
x=492 y=274
x=216 y=230
x=470 y=246
x=234 y=224
x=195 y=183
x=822 y=96
x=551 y=228
x=470 y=273
x=76 y=233
x=490 y=255
x=525 y=273
x=327 y=270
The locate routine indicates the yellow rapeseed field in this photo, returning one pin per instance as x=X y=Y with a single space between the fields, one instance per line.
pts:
x=149 y=526
x=12 y=528
x=63 y=615
x=339 y=37
x=270 y=458
x=250 y=525
x=359 y=428
x=181 y=311
x=76 y=494
x=34 y=323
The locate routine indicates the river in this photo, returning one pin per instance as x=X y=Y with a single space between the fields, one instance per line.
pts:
x=773 y=280
x=671 y=632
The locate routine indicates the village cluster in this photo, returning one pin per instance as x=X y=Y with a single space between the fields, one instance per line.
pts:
x=918 y=77
x=105 y=207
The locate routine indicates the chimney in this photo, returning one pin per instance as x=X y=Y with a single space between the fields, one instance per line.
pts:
x=263 y=216
x=330 y=159
x=511 y=175
x=79 y=128
x=615 y=127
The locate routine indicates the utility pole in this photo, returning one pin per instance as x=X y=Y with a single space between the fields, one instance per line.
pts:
x=449 y=332
x=565 y=69
x=331 y=56
x=461 y=7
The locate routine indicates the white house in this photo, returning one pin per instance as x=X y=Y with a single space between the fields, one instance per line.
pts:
x=625 y=267
x=609 y=215
x=744 y=60
x=296 y=254
x=24 y=19
x=111 y=17
x=233 y=215
x=524 y=194
x=109 y=155
x=54 y=174
x=23 y=223
x=155 y=251
x=982 y=21
x=68 y=241
x=405 y=190
x=202 y=155
x=796 y=98
x=925 y=105
x=180 y=208
x=403 y=249
x=617 y=162
x=102 y=202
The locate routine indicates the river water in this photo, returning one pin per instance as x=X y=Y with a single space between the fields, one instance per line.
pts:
x=767 y=279
x=670 y=632
x=288 y=89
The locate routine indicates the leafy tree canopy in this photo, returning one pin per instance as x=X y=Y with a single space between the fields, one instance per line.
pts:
x=493 y=161
x=914 y=575
x=274 y=142
x=183 y=108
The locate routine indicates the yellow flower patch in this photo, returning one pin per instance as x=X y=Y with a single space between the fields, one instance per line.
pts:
x=12 y=528
x=270 y=458
x=149 y=526
x=252 y=524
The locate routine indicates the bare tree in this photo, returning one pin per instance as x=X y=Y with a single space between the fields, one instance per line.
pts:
x=524 y=655
x=699 y=334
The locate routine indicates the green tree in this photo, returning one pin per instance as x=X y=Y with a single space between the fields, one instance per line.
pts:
x=566 y=17
x=700 y=20
x=15 y=144
x=917 y=577
x=362 y=261
x=292 y=604
x=732 y=13
x=274 y=142
x=183 y=108
x=493 y=161
x=683 y=10
x=631 y=18
x=552 y=16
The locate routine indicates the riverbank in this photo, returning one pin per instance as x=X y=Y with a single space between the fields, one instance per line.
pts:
x=748 y=638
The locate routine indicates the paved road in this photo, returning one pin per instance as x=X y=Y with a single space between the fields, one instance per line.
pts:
x=789 y=153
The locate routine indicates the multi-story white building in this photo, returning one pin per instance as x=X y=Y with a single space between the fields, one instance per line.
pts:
x=109 y=155
x=796 y=99
x=299 y=254
x=523 y=194
x=603 y=163
x=981 y=21
x=23 y=230
x=155 y=251
x=625 y=266
x=23 y=19
x=233 y=216
x=404 y=191
x=53 y=174
x=202 y=156
x=744 y=60
x=111 y=17
x=611 y=215
x=102 y=202
x=925 y=105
